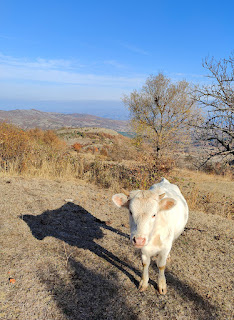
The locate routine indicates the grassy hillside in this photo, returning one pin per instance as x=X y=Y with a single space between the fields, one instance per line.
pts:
x=29 y=119
x=109 y=160
x=65 y=247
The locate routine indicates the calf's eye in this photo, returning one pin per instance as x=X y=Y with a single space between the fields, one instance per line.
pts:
x=154 y=216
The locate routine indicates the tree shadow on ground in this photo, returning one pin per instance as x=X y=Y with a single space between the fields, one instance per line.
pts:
x=87 y=295
x=77 y=227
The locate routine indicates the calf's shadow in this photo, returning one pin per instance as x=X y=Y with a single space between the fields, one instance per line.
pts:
x=77 y=227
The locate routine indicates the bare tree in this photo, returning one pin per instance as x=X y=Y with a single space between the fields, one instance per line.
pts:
x=218 y=100
x=161 y=111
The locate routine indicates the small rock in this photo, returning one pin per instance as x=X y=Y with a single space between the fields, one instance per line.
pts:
x=108 y=223
x=68 y=200
x=125 y=225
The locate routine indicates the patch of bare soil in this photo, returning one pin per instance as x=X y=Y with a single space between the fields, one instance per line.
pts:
x=67 y=247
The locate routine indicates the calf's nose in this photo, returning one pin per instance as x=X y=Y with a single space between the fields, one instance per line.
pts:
x=139 y=241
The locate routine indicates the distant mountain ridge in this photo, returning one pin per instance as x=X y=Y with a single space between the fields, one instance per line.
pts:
x=33 y=118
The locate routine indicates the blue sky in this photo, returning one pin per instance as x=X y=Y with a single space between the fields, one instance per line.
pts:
x=70 y=56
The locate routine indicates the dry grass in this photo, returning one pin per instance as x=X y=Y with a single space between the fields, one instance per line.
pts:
x=209 y=193
x=37 y=153
x=74 y=261
x=71 y=259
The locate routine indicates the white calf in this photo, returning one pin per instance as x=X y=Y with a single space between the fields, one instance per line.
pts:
x=157 y=217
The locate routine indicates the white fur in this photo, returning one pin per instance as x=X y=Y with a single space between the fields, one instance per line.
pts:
x=157 y=217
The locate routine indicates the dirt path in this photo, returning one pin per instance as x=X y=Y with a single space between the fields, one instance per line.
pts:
x=67 y=247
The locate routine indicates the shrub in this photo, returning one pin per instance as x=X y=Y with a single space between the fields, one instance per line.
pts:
x=218 y=168
x=104 y=151
x=47 y=139
x=20 y=150
x=42 y=153
x=77 y=146
x=15 y=145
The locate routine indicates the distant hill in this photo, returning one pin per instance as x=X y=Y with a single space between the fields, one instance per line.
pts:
x=27 y=119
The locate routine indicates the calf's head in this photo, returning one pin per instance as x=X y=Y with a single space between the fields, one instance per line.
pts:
x=143 y=207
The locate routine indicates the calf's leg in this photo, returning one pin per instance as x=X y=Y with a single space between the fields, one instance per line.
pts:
x=162 y=285
x=161 y=263
x=145 y=275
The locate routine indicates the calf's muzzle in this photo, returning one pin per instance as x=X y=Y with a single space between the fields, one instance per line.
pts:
x=138 y=241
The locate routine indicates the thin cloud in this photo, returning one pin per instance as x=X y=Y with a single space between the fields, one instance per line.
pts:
x=115 y=64
x=135 y=49
x=38 y=63
x=61 y=76
x=2 y=36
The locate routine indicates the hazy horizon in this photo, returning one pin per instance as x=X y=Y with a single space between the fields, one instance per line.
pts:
x=106 y=109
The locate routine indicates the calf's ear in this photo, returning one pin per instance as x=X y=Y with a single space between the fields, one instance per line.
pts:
x=166 y=204
x=120 y=200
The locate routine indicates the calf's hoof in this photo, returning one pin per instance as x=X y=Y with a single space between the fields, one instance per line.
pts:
x=162 y=290
x=142 y=286
x=162 y=286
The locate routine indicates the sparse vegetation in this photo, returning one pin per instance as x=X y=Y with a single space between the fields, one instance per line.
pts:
x=73 y=260
x=108 y=160
x=63 y=242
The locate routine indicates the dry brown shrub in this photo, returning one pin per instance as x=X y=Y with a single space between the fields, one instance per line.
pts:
x=92 y=150
x=47 y=138
x=218 y=168
x=37 y=134
x=104 y=136
x=122 y=149
x=144 y=175
x=91 y=135
x=117 y=176
x=104 y=151
x=77 y=146
x=20 y=150
x=14 y=141
x=15 y=146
